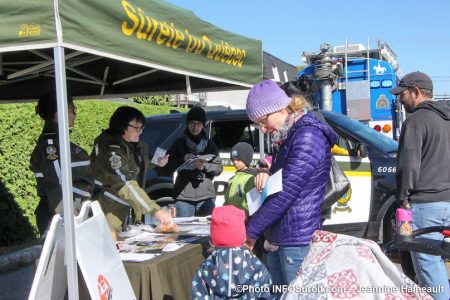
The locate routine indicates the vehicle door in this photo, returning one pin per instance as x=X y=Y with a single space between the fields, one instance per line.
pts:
x=226 y=134
x=370 y=167
x=350 y=214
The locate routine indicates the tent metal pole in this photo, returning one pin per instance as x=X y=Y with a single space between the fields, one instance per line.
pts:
x=189 y=89
x=38 y=68
x=1 y=64
x=70 y=78
x=135 y=76
x=188 y=86
x=66 y=172
x=105 y=75
x=5 y=82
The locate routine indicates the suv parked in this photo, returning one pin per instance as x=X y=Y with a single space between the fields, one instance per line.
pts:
x=367 y=210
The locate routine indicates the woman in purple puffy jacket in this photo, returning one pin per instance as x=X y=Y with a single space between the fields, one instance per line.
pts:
x=289 y=218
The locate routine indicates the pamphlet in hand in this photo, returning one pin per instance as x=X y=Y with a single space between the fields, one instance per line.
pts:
x=189 y=164
x=273 y=185
x=159 y=153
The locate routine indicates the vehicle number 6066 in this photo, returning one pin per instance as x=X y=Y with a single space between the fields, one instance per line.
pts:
x=387 y=169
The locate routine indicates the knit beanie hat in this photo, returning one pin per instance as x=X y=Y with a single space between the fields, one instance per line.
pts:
x=243 y=151
x=265 y=98
x=196 y=114
x=227 y=226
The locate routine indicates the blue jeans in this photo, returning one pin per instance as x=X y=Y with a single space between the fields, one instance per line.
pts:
x=430 y=269
x=284 y=263
x=195 y=208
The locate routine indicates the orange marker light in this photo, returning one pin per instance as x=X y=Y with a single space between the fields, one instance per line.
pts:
x=387 y=128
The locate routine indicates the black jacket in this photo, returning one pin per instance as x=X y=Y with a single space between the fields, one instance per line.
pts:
x=46 y=165
x=423 y=167
x=193 y=185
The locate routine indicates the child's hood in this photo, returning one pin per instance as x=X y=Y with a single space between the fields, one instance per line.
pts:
x=229 y=267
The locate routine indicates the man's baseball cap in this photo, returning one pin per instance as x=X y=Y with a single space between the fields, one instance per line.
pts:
x=412 y=80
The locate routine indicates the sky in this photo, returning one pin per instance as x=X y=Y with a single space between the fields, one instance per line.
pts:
x=417 y=31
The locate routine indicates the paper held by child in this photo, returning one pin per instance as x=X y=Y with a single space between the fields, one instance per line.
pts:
x=188 y=164
x=273 y=185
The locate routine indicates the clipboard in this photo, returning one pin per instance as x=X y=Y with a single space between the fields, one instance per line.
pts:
x=189 y=163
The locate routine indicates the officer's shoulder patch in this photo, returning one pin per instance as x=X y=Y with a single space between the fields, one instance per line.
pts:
x=116 y=161
x=51 y=152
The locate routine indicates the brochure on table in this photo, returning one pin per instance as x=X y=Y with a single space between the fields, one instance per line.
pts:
x=141 y=242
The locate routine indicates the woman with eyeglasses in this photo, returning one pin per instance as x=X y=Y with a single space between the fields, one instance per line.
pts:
x=288 y=218
x=46 y=165
x=194 y=191
x=119 y=164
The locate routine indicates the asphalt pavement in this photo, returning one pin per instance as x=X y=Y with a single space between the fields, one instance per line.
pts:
x=16 y=284
x=17 y=272
x=17 y=277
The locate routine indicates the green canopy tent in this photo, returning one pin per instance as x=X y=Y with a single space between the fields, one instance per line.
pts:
x=119 y=48
x=107 y=48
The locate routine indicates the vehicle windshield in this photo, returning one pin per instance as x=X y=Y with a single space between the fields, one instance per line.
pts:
x=155 y=133
x=362 y=132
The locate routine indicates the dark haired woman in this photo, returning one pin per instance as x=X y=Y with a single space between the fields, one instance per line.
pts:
x=46 y=165
x=119 y=165
x=194 y=191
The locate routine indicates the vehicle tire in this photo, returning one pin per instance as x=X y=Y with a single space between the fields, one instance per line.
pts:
x=403 y=257
x=164 y=201
x=389 y=225
x=407 y=265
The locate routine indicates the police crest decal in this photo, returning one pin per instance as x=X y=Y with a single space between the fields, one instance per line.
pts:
x=51 y=152
x=116 y=161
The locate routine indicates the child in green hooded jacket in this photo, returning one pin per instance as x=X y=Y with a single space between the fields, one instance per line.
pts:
x=243 y=181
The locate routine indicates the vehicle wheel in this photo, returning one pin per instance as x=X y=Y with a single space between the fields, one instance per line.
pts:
x=403 y=257
x=164 y=201
x=389 y=226
x=407 y=265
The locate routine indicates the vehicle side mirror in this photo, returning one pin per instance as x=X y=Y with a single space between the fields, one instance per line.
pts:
x=362 y=151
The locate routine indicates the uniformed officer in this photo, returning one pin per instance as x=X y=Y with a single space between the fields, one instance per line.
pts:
x=46 y=165
x=119 y=165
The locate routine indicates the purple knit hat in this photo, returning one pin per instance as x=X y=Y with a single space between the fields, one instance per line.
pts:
x=265 y=98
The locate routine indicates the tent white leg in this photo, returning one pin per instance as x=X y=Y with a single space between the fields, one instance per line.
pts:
x=66 y=171
x=188 y=86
